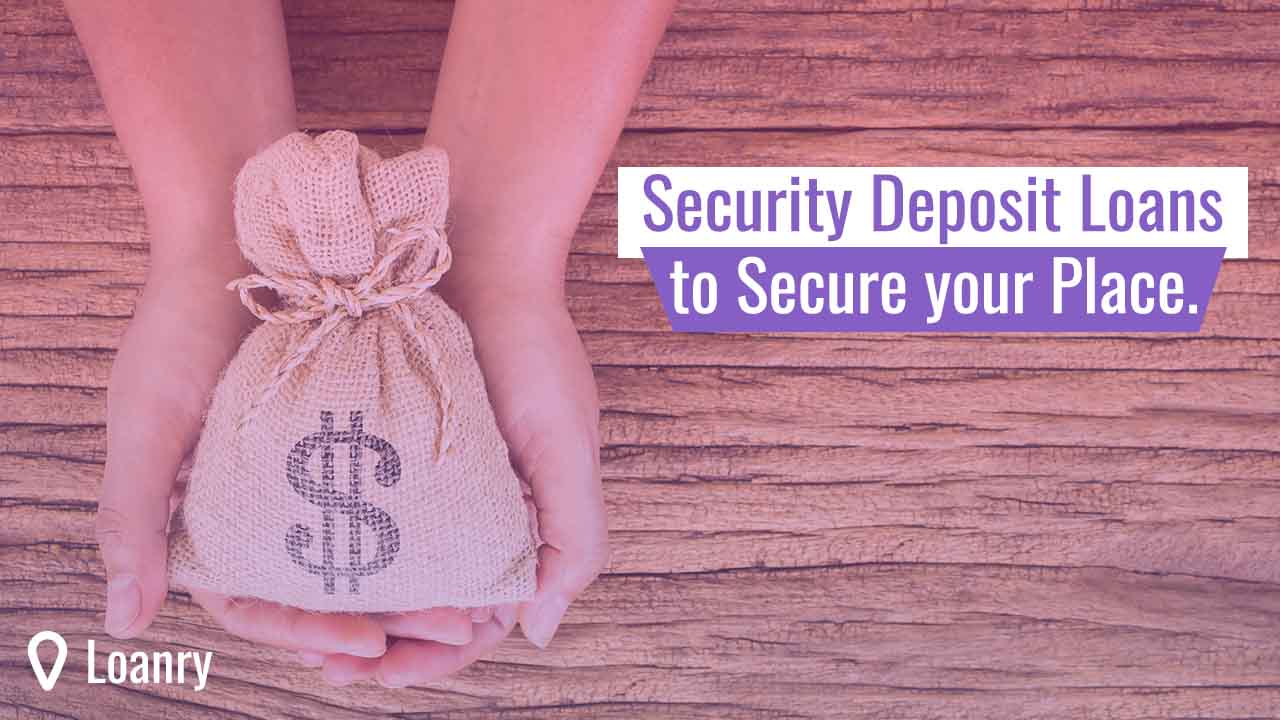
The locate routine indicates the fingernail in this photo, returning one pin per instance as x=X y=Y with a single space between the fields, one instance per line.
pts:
x=545 y=619
x=506 y=615
x=312 y=660
x=124 y=602
x=367 y=648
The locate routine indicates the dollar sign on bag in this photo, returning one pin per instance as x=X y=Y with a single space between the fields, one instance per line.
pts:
x=386 y=472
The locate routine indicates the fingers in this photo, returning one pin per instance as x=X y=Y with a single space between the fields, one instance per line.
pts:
x=294 y=629
x=565 y=478
x=341 y=670
x=437 y=626
x=415 y=662
x=450 y=626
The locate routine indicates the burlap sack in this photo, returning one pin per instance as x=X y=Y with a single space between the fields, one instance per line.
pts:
x=350 y=460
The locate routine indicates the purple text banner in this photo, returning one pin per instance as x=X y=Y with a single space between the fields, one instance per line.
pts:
x=931 y=289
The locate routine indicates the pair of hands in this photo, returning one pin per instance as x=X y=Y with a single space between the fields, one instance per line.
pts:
x=186 y=328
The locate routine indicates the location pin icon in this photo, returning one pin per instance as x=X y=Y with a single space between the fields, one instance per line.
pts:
x=48 y=679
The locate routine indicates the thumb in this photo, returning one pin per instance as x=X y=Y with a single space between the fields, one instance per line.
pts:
x=563 y=573
x=572 y=525
x=132 y=526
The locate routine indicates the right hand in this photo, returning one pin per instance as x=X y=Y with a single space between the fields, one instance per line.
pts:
x=186 y=328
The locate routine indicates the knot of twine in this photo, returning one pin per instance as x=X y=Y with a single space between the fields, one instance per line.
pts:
x=331 y=303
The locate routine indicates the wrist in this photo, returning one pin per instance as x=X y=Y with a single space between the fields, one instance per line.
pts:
x=194 y=286
x=497 y=271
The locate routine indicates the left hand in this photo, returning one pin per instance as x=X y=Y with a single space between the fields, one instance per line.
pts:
x=544 y=397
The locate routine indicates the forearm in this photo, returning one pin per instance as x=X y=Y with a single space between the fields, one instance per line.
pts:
x=531 y=99
x=193 y=90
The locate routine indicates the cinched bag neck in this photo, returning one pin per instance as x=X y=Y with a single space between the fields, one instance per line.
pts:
x=323 y=299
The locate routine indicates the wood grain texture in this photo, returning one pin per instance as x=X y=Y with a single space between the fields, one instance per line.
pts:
x=878 y=526
x=883 y=64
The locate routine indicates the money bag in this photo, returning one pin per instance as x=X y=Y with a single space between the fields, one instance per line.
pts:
x=350 y=460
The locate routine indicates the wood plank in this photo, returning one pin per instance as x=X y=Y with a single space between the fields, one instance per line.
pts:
x=72 y=188
x=960 y=640
x=335 y=16
x=902 y=65
x=48 y=350
x=1243 y=297
x=937 y=408
x=680 y=509
x=115 y=268
x=903 y=409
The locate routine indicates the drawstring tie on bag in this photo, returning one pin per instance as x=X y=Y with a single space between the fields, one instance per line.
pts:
x=331 y=303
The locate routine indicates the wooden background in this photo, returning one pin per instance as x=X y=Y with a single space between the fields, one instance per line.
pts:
x=888 y=526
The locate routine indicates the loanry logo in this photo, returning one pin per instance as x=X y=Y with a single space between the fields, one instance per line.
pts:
x=46 y=679
x=120 y=668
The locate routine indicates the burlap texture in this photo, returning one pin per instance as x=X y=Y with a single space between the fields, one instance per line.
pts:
x=374 y=479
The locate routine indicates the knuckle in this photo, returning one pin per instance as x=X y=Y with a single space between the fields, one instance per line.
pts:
x=117 y=532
